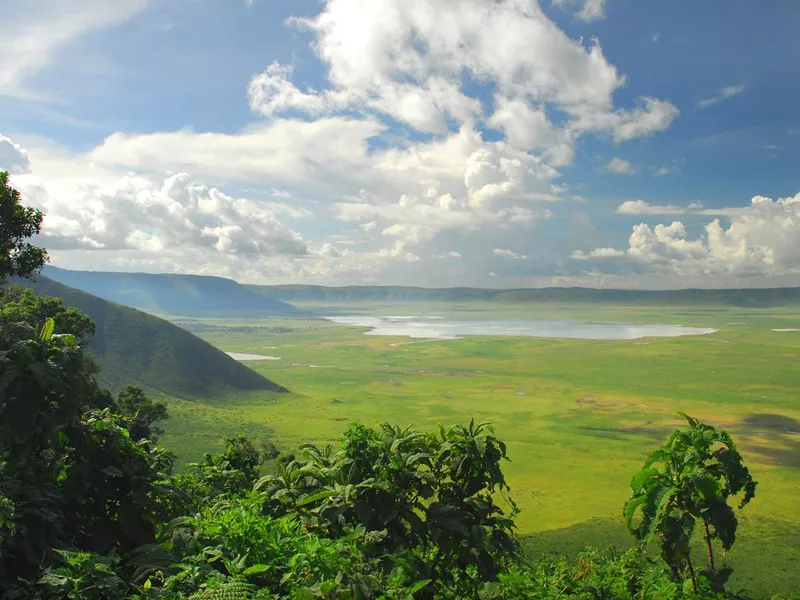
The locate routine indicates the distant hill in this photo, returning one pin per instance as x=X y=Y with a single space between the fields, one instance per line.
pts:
x=693 y=297
x=133 y=347
x=184 y=295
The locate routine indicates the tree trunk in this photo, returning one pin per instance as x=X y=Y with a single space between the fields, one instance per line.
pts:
x=691 y=573
x=708 y=545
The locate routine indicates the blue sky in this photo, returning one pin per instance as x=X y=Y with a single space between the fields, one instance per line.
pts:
x=611 y=143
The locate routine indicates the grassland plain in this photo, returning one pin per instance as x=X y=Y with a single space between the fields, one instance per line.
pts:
x=579 y=416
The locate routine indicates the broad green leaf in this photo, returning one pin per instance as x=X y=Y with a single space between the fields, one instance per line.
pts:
x=311 y=498
x=418 y=586
x=641 y=477
x=47 y=330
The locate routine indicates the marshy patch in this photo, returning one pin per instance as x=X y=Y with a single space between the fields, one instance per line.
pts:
x=654 y=433
x=587 y=401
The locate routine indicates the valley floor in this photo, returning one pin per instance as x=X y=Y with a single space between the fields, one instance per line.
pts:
x=579 y=416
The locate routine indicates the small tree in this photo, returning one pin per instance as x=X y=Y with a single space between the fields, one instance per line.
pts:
x=429 y=498
x=691 y=477
x=18 y=257
x=141 y=412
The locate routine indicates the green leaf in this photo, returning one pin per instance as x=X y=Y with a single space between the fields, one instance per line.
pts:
x=311 y=498
x=641 y=477
x=256 y=570
x=708 y=487
x=47 y=331
x=418 y=586
x=630 y=510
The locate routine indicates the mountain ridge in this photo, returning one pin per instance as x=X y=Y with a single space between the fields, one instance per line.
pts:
x=741 y=297
x=134 y=347
x=173 y=294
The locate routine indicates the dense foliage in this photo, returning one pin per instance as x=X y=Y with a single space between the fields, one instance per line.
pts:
x=18 y=257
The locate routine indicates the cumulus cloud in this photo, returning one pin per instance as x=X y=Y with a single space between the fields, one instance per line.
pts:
x=272 y=91
x=620 y=166
x=137 y=214
x=13 y=157
x=722 y=95
x=760 y=239
x=406 y=60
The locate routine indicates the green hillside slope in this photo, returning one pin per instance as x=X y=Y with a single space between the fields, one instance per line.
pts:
x=693 y=297
x=134 y=347
x=185 y=295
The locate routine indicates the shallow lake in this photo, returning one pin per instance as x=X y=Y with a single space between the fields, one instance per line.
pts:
x=429 y=327
x=244 y=356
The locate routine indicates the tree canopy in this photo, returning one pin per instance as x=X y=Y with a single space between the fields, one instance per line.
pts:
x=18 y=257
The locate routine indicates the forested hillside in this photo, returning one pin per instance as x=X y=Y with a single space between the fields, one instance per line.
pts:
x=692 y=297
x=184 y=295
x=134 y=347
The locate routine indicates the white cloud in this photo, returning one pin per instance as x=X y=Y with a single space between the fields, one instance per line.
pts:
x=597 y=253
x=406 y=60
x=590 y=10
x=650 y=116
x=272 y=92
x=328 y=250
x=137 y=214
x=722 y=95
x=316 y=154
x=530 y=128
x=13 y=157
x=762 y=239
x=508 y=254
x=620 y=166
x=34 y=31
x=640 y=207
x=655 y=37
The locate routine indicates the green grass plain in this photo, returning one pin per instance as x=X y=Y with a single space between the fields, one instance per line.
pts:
x=579 y=416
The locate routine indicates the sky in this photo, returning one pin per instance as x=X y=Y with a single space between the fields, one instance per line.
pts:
x=490 y=143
